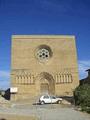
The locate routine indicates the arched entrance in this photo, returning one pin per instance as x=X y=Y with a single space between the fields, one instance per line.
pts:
x=45 y=83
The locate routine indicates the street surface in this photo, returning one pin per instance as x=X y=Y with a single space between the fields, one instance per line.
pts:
x=46 y=112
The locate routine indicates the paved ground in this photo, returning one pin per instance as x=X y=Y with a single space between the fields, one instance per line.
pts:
x=46 y=112
x=16 y=117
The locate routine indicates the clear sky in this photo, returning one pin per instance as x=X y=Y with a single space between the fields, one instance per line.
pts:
x=63 y=17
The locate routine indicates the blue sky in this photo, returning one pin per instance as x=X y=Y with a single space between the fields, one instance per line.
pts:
x=61 y=17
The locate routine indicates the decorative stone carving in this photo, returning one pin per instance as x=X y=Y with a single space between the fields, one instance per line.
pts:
x=23 y=77
x=63 y=78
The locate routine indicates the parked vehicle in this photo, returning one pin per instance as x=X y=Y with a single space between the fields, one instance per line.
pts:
x=47 y=99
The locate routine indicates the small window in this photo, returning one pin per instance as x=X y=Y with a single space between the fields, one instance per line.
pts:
x=52 y=97
x=46 y=97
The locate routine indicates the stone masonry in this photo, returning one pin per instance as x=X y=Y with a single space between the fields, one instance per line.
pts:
x=43 y=64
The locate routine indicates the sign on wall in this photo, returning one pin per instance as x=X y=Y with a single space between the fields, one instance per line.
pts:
x=13 y=90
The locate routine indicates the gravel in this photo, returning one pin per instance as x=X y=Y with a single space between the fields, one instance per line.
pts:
x=46 y=112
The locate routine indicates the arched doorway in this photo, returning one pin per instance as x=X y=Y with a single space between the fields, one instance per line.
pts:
x=44 y=86
x=45 y=83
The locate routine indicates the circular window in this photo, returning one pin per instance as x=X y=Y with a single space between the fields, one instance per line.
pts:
x=43 y=53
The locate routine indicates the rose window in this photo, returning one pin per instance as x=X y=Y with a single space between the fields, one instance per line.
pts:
x=43 y=53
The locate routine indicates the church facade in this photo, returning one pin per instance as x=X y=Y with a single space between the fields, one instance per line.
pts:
x=43 y=64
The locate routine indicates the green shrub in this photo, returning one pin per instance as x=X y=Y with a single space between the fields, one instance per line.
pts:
x=82 y=97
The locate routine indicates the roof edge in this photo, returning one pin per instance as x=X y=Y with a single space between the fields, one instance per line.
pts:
x=42 y=36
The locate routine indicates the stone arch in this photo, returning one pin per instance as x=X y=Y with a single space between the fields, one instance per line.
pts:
x=45 y=79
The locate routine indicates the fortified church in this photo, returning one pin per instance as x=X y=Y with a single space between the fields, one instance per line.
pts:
x=43 y=64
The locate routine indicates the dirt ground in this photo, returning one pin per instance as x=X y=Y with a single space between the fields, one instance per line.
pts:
x=15 y=117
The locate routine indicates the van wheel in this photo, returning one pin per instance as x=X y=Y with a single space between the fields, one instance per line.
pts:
x=42 y=102
x=59 y=102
